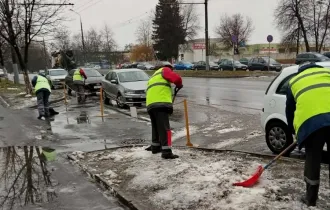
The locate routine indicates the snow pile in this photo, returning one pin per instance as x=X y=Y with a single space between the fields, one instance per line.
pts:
x=200 y=180
x=228 y=130
x=183 y=132
x=225 y=143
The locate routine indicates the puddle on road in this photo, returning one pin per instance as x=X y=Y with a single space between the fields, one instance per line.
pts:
x=25 y=178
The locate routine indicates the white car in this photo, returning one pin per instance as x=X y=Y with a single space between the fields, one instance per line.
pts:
x=97 y=67
x=56 y=77
x=273 y=118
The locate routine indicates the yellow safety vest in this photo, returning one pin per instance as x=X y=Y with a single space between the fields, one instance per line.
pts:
x=77 y=76
x=159 y=91
x=42 y=82
x=308 y=87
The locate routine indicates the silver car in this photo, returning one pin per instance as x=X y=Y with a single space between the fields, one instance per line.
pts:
x=56 y=77
x=125 y=86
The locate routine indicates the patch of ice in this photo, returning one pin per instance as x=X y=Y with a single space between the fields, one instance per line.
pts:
x=28 y=96
x=228 y=130
x=66 y=190
x=211 y=127
x=12 y=88
x=79 y=154
x=110 y=173
x=183 y=132
x=253 y=134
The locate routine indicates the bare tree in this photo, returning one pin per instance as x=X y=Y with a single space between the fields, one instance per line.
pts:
x=191 y=21
x=109 y=43
x=93 y=41
x=237 y=25
x=144 y=32
x=62 y=39
x=27 y=20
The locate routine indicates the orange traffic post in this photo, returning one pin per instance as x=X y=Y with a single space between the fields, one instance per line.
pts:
x=101 y=102
x=189 y=144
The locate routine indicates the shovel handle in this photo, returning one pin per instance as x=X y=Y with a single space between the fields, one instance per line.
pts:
x=281 y=154
x=176 y=90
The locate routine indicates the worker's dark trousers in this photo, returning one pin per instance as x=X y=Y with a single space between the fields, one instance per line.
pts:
x=80 y=92
x=314 y=148
x=161 y=131
x=43 y=102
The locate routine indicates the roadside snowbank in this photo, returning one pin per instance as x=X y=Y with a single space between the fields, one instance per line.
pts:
x=200 y=180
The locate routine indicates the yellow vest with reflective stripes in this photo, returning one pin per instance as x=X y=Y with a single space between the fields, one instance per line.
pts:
x=311 y=90
x=159 y=90
x=41 y=83
x=77 y=76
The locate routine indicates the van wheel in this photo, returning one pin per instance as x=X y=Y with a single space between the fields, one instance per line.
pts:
x=278 y=137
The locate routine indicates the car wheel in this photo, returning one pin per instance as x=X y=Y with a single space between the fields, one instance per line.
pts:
x=278 y=137
x=265 y=68
x=119 y=101
x=105 y=98
x=196 y=69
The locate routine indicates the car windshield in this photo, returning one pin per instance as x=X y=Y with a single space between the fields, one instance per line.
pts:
x=92 y=73
x=321 y=56
x=59 y=72
x=186 y=63
x=237 y=62
x=272 y=61
x=132 y=76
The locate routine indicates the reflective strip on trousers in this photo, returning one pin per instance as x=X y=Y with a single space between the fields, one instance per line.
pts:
x=311 y=87
x=155 y=144
x=159 y=84
x=307 y=75
x=312 y=182
x=166 y=147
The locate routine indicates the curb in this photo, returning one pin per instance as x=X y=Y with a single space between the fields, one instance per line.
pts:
x=4 y=102
x=126 y=113
x=133 y=205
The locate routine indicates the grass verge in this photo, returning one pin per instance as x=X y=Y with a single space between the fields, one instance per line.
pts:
x=7 y=86
x=222 y=74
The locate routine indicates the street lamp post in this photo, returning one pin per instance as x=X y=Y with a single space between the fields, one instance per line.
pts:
x=82 y=34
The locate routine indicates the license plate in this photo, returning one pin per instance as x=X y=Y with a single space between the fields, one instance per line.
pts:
x=97 y=86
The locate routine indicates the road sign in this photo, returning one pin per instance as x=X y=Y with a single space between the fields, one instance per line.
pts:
x=269 y=38
x=234 y=39
x=199 y=46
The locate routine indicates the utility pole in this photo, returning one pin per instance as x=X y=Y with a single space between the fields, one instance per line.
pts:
x=207 y=49
x=82 y=35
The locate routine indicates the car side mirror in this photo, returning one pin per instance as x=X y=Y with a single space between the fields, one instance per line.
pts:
x=114 y=81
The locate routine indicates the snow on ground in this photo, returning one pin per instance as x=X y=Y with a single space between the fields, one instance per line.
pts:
x=201 y=180
x=228 y=130
x=225 y=143
x=183 y=132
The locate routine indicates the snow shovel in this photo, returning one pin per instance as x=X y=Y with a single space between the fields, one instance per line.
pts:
x=255 y=177
x=176 y=90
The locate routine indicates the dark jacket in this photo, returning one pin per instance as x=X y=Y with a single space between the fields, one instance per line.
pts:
x=311 y=125
x=34 y=82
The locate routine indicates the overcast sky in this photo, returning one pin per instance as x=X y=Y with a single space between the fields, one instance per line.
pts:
x=123 y=16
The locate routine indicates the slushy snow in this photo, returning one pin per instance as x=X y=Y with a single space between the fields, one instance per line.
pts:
x=201 y=180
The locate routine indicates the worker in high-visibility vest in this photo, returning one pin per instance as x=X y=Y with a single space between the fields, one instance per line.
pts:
x=42 y=90
x=79 y=78
x=160 y=106
x=308 y=117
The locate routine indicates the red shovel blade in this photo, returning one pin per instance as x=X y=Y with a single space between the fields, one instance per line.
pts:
x=252 y=180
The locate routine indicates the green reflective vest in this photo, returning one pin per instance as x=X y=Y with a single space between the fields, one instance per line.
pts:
x=77 y=76
x=50 y=154
x=159 y=91
x=308 y=87
x=41 y=83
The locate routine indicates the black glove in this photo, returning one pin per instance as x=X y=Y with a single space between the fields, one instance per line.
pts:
x=179 y=87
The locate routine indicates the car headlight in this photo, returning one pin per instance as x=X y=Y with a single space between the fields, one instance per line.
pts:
x=127 y=91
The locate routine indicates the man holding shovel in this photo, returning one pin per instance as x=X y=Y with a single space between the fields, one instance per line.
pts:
x=159 y=107
x=308 y=116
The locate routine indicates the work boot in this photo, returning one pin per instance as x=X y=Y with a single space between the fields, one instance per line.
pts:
x=155 y=149
x=148 y=148
x=39 y=117
x=168 y=154
x=311 y=195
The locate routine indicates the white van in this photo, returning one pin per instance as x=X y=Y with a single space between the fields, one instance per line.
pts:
x=273 y=118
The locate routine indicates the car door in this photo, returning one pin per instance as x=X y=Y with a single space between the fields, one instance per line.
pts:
x=106 y=83
x=113 y=88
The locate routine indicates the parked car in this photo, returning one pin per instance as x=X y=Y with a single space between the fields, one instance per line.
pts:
x=56 y=77
x=145 y=66
x=42 y=72
x=92 y=83
x=158 y=64
x=126 y=87
x=125 y=66
x=273 y=118
x=201 y=65
x=326 y=54
x=97 y=67
x=222 y=60
x=183 y=65
x=244 y=61
x=2 y=73
x=232 y=65
x=310 y=57
x=261 y=63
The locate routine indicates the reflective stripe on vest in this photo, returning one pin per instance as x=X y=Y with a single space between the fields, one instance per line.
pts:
x=41 y=83
x=159 y=89
x=310 y=89
x=77 y=76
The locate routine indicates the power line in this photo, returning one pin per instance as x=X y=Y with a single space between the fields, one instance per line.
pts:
x=129 y=21
x=84 y=4
x=90 y=5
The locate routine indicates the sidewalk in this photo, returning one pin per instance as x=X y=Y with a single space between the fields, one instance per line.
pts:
x=75 y=191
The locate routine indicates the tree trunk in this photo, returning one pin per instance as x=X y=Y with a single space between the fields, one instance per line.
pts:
x=23 y=65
